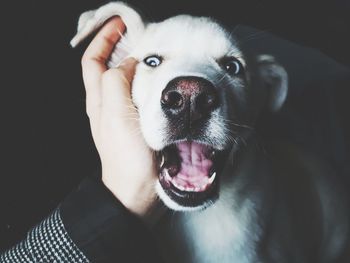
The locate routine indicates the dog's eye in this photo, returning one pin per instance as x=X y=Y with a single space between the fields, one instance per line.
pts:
x=153 y=61
x=232 y=66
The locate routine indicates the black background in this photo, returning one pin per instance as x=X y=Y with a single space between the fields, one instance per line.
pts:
x=46 y=146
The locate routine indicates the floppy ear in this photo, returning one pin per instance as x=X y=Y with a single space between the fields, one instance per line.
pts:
x=275 y=79
x=90 y=21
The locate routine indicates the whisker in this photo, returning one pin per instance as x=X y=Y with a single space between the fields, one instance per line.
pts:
x=221 y=78
x=237 y=124
x=128 y=99
x=133 y=113
x=131 y=107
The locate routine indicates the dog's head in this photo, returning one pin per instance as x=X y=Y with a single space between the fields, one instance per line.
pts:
x=197 y=95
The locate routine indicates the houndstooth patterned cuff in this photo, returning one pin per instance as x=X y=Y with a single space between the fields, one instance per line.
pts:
x=48 y=242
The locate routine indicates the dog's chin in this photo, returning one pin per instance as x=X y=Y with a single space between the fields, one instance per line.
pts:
x=189 y=174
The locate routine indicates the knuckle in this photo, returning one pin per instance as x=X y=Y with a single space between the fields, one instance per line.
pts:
x=84 y=60
x=87 y=60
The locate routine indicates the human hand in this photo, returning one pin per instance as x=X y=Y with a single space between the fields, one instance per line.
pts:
x=128 y=167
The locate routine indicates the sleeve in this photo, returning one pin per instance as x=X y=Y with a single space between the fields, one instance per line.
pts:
x=47 y=242
x=90 y=225
x=103 y=228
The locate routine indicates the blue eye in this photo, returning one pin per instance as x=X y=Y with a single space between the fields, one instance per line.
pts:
x=232 y=66
x=153 y=61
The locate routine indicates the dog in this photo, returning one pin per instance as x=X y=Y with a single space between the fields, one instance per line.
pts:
x=199 y=97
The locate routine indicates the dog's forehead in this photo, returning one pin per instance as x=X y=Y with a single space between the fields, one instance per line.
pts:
x=190 y=35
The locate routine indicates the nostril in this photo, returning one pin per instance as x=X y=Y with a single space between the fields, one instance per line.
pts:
x=172 y=99
x=206 y=102
x=189 y=97
x=211 y=101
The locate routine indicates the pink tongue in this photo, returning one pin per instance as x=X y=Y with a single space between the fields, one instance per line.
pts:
x=195 y=164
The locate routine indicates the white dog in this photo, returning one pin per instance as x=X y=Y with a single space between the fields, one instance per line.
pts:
x=198 y=96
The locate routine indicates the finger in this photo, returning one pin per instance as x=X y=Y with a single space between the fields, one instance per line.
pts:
x=94 y=62
x=96 y=55
x=116 y=97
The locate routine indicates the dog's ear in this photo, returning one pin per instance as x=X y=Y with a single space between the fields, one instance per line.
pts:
x=90 y=21
x=275 y=78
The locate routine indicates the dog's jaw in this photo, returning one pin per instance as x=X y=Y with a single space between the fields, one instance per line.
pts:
x=174 y=205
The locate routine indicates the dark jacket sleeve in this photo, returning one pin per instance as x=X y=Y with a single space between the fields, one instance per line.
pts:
x=89 y=226
x=103 y=228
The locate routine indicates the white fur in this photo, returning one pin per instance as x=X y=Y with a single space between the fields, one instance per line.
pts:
x=189 y=46
x=225 y=235
x=225 y=232
x=183 y=42
x=219 y=135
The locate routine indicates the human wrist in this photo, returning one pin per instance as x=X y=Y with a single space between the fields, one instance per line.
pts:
x=138 y=199
x=138 y=195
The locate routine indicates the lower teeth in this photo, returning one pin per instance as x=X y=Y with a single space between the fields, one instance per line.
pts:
x=189 y=189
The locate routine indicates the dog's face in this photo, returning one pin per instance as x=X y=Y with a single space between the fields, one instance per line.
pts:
x=188 y=69
x=196 y=96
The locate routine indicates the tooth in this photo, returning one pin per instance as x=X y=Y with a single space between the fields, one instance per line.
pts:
x=212 y=177
x=167 y=176
x=174 y=182
x=181 y=187
x=162 y=162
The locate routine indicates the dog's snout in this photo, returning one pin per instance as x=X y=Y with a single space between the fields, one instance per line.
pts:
x=192 y=96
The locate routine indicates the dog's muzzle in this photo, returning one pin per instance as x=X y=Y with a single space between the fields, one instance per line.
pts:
x=189 y=164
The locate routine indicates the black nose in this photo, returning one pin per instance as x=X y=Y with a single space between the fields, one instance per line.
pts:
x=190 y=96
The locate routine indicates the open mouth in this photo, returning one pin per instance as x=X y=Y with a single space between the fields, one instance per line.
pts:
x=188 y=172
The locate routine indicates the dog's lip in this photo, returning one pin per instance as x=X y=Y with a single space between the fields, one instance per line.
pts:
x=190 y=198
x=202 y=187
x=189 y=184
